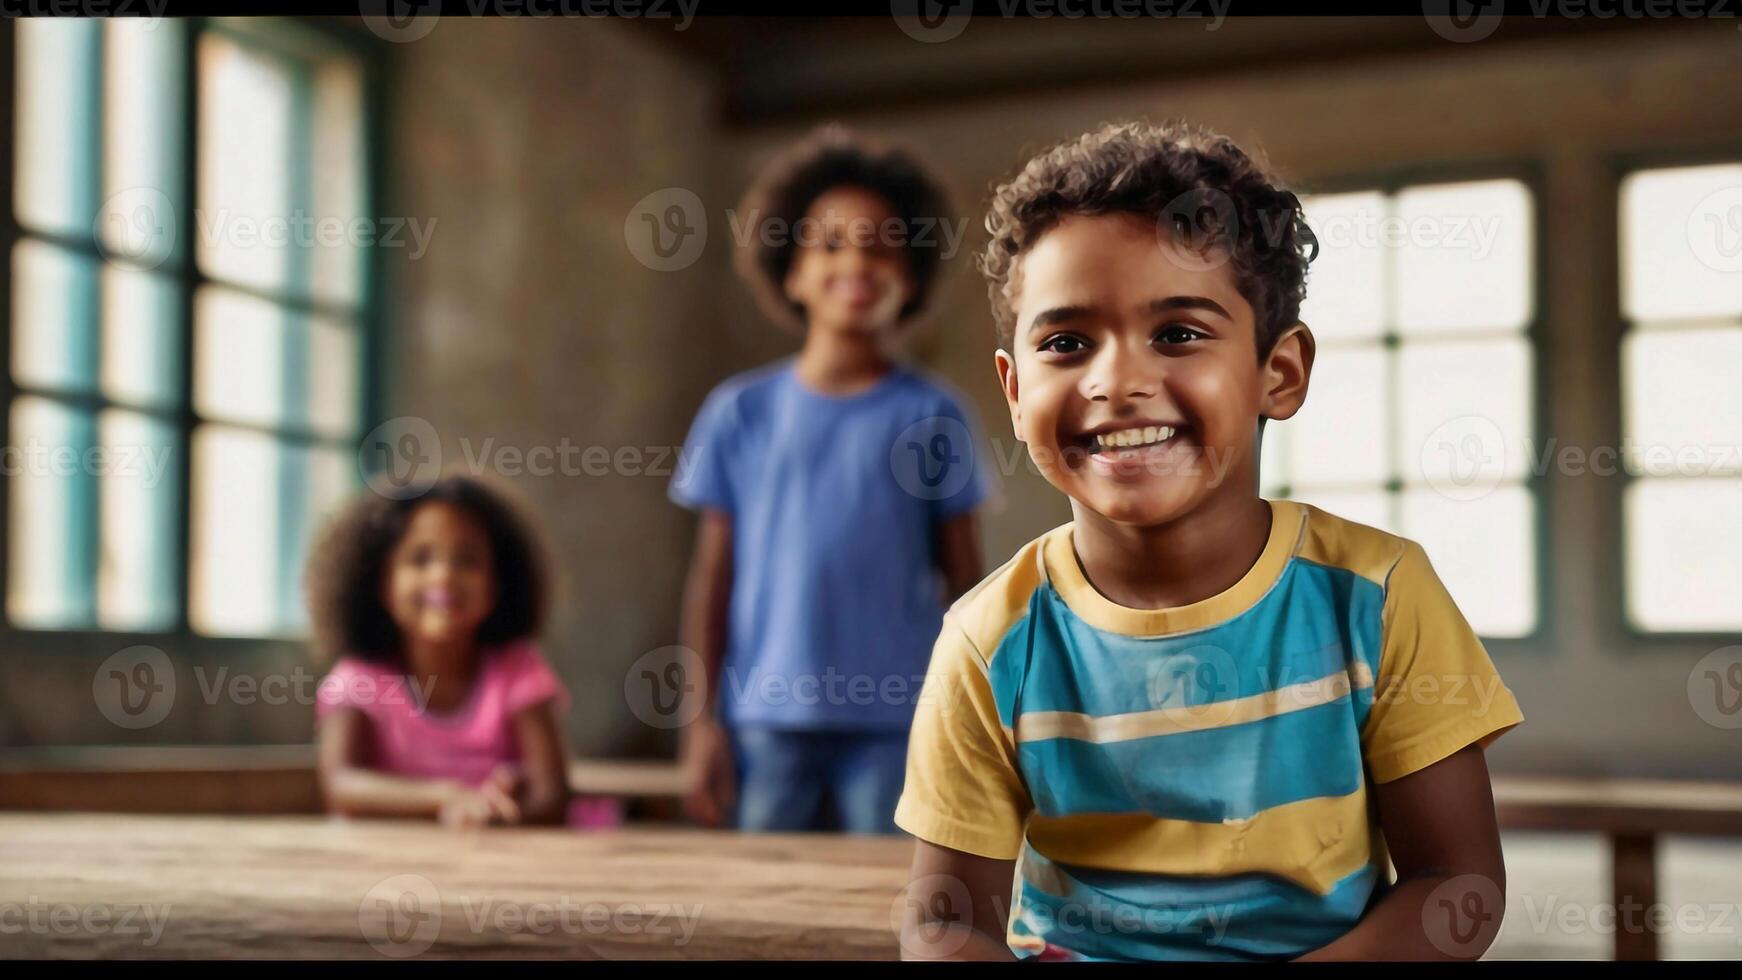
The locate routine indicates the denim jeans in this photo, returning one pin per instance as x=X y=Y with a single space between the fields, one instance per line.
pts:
x=818 y=780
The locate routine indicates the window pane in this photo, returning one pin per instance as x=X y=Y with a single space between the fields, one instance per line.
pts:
x=1684 y=554
x=1484 y=551
x=55 y=188
x=142 y=149
x=337 y=158
x=1370 y=507
x=328 y=476
x=233 y=584
x=1346 y=283
x=141 y=337
x=1465 y=410
x=249 y=106
x=239 y=349
x=54 y=318
x=1273 y=459
x=257 y=503
x=49 y=582
x=263 y=364
x=1681 y=242
x=1683 y=406
x=334 y=354
x=1339 y=435
x=1465 y=259
x=136 y=572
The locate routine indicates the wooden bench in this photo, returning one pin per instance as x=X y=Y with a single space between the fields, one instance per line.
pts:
x=1632 y=814
x=247 y=779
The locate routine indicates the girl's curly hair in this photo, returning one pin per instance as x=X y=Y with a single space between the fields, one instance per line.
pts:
x=1197 y=185
x=831 y=157
x=342 y=580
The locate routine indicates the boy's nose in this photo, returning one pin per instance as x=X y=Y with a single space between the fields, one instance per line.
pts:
x=1115 y=376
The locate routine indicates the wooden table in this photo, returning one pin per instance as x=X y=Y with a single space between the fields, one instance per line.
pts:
x=249 y=887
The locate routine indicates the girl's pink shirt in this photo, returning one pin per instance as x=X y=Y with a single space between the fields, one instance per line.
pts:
x=465 y=744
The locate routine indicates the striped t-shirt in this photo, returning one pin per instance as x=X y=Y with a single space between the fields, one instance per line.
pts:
x=1192 y=782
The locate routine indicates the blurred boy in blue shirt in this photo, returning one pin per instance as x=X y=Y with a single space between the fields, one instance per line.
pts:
x=836 y=492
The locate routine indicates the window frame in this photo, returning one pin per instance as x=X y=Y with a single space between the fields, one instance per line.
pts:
x=1618 y=167
x=1532 y=174
x=283 y=33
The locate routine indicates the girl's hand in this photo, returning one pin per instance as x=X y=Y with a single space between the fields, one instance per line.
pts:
x=492 y=802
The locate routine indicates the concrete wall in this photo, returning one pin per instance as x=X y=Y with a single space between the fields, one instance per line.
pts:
x=528 y=321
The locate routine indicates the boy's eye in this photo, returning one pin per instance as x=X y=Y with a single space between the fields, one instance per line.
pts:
x=1064 y=343
x=1175 y=333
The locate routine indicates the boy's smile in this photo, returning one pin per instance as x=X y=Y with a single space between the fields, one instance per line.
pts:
x=1134 y=375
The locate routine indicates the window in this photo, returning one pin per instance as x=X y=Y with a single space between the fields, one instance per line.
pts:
x=1419 y=415
x=186 y=365
x=1681 y=298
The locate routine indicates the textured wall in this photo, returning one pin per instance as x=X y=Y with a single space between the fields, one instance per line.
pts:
x=528 y=321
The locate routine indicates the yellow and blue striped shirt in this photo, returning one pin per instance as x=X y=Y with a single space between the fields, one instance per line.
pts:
x=1192 y=782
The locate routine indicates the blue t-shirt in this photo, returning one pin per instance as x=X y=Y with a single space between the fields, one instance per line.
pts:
x=835 y=503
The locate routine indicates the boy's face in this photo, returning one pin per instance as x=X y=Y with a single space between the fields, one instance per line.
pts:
x=850 y=270
x=1134 y=374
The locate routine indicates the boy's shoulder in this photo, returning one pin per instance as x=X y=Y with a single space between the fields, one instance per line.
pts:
x=1337 y=542
x=986 y=612
x=752 y=382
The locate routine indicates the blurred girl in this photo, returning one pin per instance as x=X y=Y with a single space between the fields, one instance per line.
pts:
x=440 y=704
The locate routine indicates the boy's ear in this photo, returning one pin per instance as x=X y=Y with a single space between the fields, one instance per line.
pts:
x=1007 y=381
x=1286 y=371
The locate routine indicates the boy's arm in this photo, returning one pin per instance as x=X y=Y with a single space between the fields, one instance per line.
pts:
x=958 y=555
x=704 y=753
x=1439 y=826
x=544 y=791
x=353 y=790
x=957 y=907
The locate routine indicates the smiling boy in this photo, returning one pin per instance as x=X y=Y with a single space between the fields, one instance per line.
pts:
x=1187 y=724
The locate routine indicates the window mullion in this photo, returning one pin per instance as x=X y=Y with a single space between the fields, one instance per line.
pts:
x=188 y=208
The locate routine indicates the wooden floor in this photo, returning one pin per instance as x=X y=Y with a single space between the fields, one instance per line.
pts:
x=239 y=887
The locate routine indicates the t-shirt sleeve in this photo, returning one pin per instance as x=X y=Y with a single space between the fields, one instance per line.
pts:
x=1437 y=690
x=963 y=789
x=350 y=684
x=981 y=479
x=703 y=477
x=528 y=680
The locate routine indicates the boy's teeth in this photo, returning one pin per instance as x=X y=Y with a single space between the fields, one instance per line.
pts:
x=1127 y=438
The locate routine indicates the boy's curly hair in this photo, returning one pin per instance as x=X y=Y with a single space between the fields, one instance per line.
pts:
x=342 y=580
x=831 y=157
x=1197 y=185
